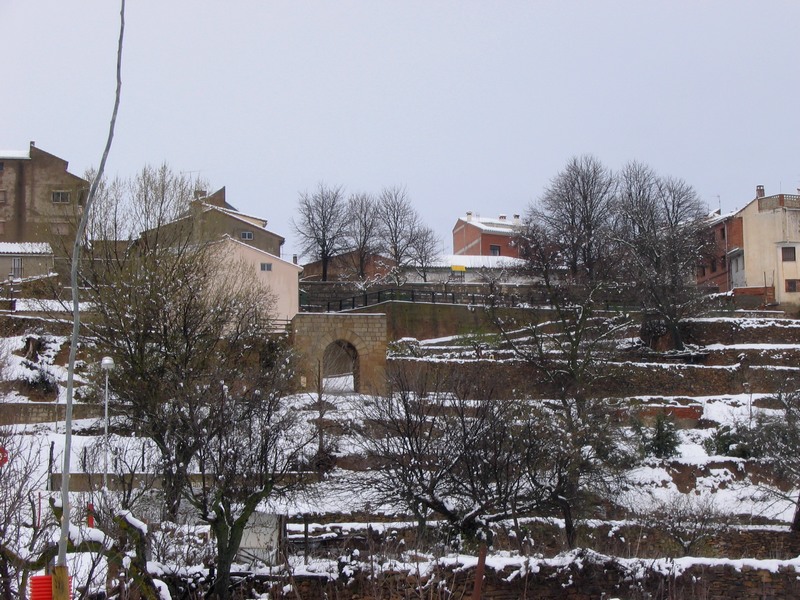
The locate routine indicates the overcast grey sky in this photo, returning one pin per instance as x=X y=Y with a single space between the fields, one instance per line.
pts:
x=470 y=105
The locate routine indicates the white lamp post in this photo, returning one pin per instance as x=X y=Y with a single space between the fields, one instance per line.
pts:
x=106 y=364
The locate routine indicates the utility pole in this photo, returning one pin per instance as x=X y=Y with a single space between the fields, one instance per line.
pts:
x=61 y=584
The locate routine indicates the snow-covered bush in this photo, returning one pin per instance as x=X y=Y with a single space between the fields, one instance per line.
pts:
x=405 y=347
x=727 y=440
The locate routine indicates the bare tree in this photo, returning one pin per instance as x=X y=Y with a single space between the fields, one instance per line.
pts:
x=567 y=344
x=575 y=211
x=775 y=439
x=661 y=227
x=322 y=223
x=444 y=446
x=362 y=234
x=25 y=527
x=424 y=251
x=400 y=225
x=150 y=209
x=251 y=442
x=687 y=519
x=176 y=314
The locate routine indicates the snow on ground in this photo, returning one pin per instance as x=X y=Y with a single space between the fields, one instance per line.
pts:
x=647 y=486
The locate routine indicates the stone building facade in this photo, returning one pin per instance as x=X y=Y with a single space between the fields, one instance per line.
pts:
x=40 y=199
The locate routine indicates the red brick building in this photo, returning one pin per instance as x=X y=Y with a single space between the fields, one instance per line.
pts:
x=478 y=236
x=718 y=271
x=344 y=267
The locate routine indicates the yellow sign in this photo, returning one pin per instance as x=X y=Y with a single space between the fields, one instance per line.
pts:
x=459 y=268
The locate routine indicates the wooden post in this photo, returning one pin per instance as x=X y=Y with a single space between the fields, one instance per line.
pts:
x=61 y=583
x=476 y=591
x=305 y=538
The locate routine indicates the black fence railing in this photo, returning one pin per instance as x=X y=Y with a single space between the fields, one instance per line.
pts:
x=416 y=295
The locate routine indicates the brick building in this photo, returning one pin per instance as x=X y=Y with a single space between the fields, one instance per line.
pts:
x=728 y=261
x=478 y=236
x=344 y=267
x=40 y=199
x=758 y=250
x=210 y=217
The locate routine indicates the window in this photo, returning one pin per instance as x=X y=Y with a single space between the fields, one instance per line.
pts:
x=793 y=285
x=494 y=250
x=266 y=266
x=16 y=266
x=1 y=166
x=713 y=265
x=722 y=233
x=2 y=227
x=60 y=197
x=788 y=254
x=247 y=235
x=3 y=197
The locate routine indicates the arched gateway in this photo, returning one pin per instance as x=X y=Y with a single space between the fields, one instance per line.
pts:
x=348 y=347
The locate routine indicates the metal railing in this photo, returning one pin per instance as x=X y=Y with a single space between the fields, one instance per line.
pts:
x=413 y=295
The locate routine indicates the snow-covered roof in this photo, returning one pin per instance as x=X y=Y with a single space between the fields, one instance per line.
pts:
x=15 y=154
x=492 y=225
x=25 y=248
x=715 y=217
x=249 y=219
x=478 y=262
x=257 y=221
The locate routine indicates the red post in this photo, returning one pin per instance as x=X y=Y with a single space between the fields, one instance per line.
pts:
x=90 y=510
x=476 y=591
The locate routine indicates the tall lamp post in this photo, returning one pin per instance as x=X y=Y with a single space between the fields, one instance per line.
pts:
x=106 y=364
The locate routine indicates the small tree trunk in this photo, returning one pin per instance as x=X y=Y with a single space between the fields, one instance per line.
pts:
x=173 y=487
x=677 y=339
x=796 y=519
x=228 y=542
x=5 y=580
x=569 y=523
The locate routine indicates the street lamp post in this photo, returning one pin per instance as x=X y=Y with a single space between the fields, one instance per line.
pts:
x=106 y=364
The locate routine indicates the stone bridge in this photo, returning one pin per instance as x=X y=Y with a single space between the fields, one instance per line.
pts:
x=342 y=345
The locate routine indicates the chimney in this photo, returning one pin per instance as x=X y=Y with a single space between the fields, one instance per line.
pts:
x=33 y=144
x=469 y=216
x=759 y=191
x=502 y=217
x=294 y=259
x=516 y=219
x=199 y=194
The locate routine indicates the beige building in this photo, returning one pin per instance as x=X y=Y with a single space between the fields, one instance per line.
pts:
x=770 y=254
x=211 y=217
x=282 y=277
x=39 y=198
x=20 y=260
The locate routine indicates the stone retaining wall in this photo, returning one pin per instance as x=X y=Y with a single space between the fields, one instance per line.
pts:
x=586 y=577
x=17 y=413
x=740 y=331
x=514 y=378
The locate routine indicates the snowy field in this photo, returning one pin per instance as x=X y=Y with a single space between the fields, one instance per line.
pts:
x=724 y=484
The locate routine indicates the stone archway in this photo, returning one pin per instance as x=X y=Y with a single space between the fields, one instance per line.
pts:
x=340 y=367
x=357 y=338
